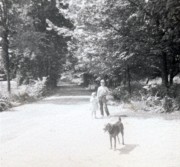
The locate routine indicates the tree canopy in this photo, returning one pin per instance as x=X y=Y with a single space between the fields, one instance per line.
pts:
x=118 y=37
x=33 y=48
x=122 y=40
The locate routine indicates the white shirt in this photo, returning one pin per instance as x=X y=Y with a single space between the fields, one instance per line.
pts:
x=94 y=103
x=102 y=91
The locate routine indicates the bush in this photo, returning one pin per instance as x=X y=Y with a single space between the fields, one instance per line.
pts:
x=170 y=98
x=24 y=93
x=121 y=92
x=4 y=103
x=152 y=97
x=177 y=104
x=174 y=93
x=37 y=88
x=31 y=92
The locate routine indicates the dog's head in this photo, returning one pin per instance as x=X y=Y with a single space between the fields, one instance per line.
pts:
x=107 y=127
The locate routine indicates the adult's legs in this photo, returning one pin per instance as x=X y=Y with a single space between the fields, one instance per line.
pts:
x=106 y=109
x=105 y=106
x=101 y=106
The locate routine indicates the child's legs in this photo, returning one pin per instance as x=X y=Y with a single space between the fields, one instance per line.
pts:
x=94 y=110
x=94 y=113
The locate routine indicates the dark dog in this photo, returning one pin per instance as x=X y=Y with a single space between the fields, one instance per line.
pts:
x=114 y=130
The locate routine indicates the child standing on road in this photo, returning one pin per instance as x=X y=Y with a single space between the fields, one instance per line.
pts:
x=94 y=104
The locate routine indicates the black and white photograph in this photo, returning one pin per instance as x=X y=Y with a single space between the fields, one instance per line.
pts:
x=89 y=83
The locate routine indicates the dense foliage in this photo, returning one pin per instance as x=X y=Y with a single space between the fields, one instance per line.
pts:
x=31 y=48
x=127 y=40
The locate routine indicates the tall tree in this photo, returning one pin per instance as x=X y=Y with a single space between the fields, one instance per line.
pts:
x=134 y=37
x=40 y=49
x=10 y=23
x=5 y=24
x=53 y=49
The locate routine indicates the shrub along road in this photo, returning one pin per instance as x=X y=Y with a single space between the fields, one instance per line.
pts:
x=60 y=132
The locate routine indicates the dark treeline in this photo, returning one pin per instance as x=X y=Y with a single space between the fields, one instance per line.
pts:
x=122 y=41
x=31 y=49
x=128 y=40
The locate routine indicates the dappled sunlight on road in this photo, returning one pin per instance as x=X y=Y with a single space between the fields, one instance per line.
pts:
x=60 y=131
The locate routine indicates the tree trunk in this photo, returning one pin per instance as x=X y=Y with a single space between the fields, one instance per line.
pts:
x=129 y=79
x=173 y=68
x=164 y=71
x=171 y=79
x=5 y=56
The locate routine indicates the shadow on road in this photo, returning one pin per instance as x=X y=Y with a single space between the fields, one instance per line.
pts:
x=127 y=148
x=72 y=90
x=65 y=100
x=68 y=95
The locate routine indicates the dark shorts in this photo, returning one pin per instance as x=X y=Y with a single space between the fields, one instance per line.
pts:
x=102 y=99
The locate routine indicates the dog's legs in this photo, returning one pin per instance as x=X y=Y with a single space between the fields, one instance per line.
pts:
x=122 y=137
x=110 y=141
x=118 y=139
x=115 y=143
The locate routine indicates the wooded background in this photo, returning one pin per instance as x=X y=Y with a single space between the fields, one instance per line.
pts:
x=119 y=40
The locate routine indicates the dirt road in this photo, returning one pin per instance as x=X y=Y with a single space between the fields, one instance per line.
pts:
x=60 y=132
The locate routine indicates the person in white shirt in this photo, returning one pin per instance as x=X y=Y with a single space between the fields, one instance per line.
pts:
x=94 y=104
x=102 y=92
